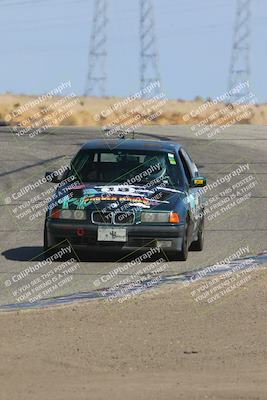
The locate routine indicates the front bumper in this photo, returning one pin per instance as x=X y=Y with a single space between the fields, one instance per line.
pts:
x=84 y=235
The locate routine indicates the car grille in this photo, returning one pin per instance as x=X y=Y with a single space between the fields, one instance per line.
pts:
x=126 y=217
x=118 y=218
x=99 y=217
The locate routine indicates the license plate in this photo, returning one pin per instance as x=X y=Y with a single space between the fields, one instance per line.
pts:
x=111 y=234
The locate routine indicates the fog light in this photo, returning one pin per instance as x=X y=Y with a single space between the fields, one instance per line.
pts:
x=80 y=231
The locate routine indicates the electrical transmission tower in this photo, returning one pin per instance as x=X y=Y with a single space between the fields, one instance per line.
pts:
x=149 y=58
x=240 y=59
x=97 y=76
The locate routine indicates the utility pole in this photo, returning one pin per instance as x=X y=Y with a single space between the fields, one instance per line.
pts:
x=97 y=75
x=240 y=59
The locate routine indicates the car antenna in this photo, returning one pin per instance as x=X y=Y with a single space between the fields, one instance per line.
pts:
x=121 y=134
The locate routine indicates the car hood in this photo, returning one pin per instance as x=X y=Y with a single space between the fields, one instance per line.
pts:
x=115 y=196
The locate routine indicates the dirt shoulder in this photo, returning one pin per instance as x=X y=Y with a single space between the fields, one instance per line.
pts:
x=159 y=345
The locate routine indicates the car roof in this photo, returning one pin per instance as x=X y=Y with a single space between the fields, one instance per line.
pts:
x=131 y=144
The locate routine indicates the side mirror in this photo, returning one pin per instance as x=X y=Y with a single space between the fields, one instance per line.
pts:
x=52 y=177
x=198 y=181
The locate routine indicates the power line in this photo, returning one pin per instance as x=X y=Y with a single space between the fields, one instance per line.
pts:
x=34 y=2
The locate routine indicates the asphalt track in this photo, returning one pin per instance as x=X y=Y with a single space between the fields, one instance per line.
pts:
x=24 y=161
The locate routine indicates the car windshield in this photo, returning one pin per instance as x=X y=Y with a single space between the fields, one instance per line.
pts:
x=127 y=167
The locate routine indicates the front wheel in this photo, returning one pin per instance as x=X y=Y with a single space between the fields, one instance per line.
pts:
x=199 y=243
x=183 y=253
x=46 y=248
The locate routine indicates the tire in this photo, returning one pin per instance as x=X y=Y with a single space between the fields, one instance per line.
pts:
x=199 y=243
x=49 y=250
x=45 y=244
x=183 y=254
x=46 y=248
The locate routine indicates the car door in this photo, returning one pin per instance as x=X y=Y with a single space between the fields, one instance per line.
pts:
x=193 y=198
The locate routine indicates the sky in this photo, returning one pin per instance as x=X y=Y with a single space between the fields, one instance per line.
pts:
x=45 y=42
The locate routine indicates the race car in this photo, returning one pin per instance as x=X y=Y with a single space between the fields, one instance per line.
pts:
x=128 y=194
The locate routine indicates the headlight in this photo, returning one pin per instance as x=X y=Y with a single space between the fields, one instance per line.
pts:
x=160 y=217
x=68 y=214
x=79 y=214
x=65 y=214
x=155 y=217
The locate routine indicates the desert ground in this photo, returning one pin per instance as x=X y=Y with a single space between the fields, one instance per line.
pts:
x=160 y=345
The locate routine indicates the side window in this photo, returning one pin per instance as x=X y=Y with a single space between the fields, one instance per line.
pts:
x=191 y=165
x=186 y=168
x=195 y=170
